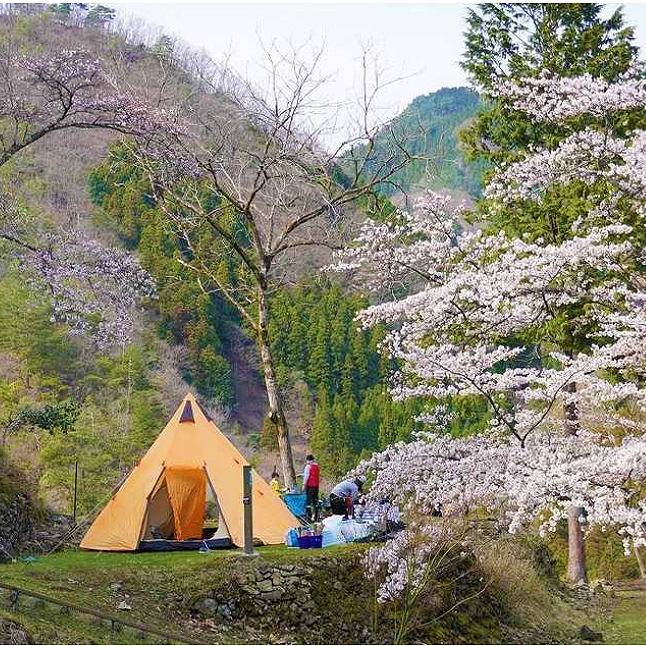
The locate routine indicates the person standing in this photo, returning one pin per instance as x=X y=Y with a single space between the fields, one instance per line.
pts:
x=311 y=478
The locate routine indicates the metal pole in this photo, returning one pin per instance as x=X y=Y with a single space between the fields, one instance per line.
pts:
x=76 y=477
x=248 y=512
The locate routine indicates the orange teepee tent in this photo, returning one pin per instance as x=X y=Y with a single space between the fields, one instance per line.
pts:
x=164 y=496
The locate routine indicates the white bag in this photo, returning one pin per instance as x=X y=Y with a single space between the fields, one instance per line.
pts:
x=332 y=533
x=330 y=537
x=352 y=530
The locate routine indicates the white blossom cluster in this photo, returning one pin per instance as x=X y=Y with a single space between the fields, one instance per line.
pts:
x=93 y=288
x=438 y=418
x=591 y=154
x=130 y=114
x=403 y=562
x=70 y=68
x=57 y=83
x=43 y=94
x=587 y=155
x=479 y=290
x=555 y=99
x=516 y=485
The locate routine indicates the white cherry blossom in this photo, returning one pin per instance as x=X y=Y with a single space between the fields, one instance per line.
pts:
x=469 y=313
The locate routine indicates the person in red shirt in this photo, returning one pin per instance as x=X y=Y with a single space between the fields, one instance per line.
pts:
x=311 y=476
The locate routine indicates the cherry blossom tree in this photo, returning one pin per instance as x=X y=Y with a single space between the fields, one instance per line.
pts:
x=93 y=288
x=550 y=335
x=600 y=125
x=41 y=95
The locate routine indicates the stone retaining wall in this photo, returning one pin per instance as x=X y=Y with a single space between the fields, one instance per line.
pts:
x=17 y=526
x=298 y=596
x=17 y=512
x=283 y=589
x=13 y=633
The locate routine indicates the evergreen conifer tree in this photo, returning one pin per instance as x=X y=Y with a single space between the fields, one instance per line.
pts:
x=319 y=369
x=322 y=433
x=350 y=381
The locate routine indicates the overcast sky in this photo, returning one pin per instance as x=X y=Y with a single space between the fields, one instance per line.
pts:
x=420 y=40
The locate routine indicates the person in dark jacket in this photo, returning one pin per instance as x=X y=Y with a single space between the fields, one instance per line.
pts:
x=311 y=477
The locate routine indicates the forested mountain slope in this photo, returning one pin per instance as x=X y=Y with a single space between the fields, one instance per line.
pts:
x=432 y=121
x=102 y=407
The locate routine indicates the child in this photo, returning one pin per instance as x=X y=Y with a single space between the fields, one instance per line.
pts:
x=275 y=482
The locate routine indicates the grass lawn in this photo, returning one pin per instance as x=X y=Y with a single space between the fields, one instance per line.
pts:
x=149 y=582
x=50 y=572
x=629 y=619
x=107 y=562
x=48 y=625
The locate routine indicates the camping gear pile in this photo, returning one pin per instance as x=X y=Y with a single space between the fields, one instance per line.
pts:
x=332 y=531
x=372 y=524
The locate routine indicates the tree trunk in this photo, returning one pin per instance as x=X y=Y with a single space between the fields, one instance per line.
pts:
x=576 y=551
x=576 y=548
x=276 y=412
x=640 y=563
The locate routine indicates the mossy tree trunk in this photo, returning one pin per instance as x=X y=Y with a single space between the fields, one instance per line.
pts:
x=276 y=410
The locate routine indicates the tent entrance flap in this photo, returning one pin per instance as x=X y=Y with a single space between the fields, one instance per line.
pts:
x=222 y=531
x=160 y=522
x=187 y=493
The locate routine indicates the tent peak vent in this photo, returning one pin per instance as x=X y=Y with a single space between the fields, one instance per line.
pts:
x=187 y=413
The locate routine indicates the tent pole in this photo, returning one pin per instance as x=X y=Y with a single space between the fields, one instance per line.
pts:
x=248 y=511
x=76 y=477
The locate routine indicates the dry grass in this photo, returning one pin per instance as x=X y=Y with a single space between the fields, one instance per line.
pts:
x=521 y=572
x=510 y=565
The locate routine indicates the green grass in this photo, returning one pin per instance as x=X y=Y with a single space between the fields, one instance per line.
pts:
x=84 y=578
x=103 y=565
x=628 y=625
x=50 y=626
x=84 y=561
